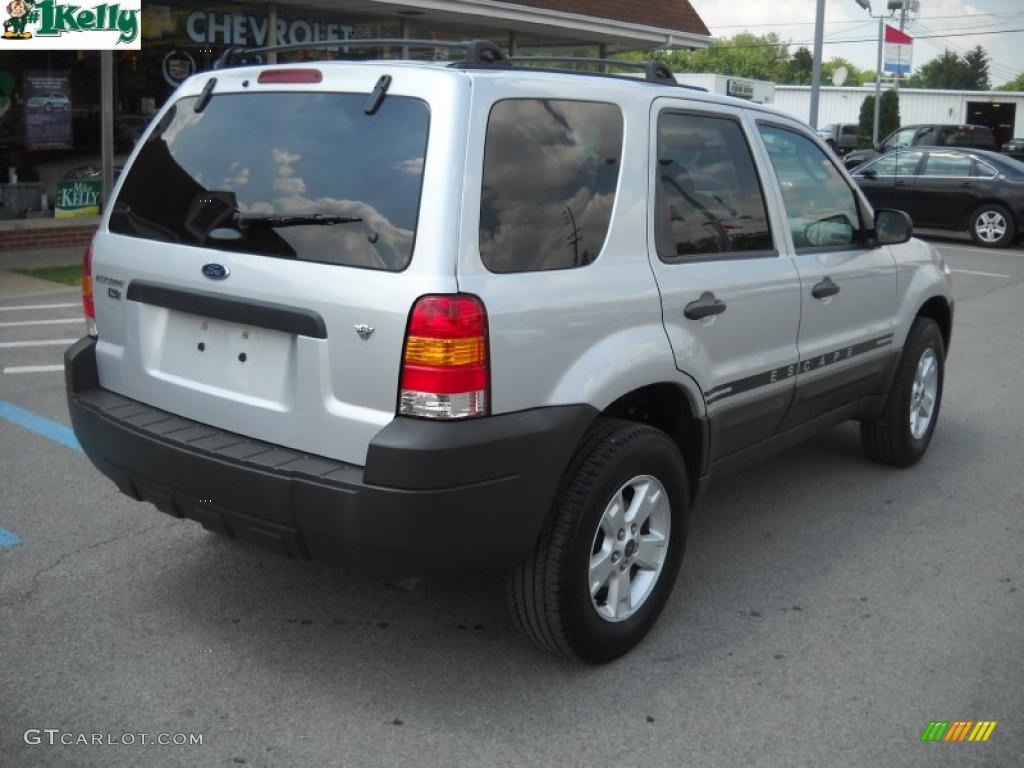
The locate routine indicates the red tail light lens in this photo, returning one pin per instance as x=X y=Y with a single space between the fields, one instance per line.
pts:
x=87 y=304
x=445 y=373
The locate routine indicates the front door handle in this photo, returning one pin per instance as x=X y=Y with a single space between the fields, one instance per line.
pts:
x=706 y=306
x=900 y=183
x=824 y=289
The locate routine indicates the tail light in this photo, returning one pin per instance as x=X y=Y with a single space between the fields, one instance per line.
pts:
x=87 y=305
x=445 y=372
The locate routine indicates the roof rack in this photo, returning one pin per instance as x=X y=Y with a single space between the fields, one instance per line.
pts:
x=654 y=71
x=478 y=52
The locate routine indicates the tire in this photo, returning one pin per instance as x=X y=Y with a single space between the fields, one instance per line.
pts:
x=992 y=226
x=550 y=596
x=895 y=438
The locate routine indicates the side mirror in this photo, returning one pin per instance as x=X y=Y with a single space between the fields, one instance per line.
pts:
x=892 y=227
x=870 y=173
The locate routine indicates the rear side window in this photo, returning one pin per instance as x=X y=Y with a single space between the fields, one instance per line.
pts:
x=708 y=196
x=984 y=139
x=551 y=168
x=304 y=176
x=947 y=164
x=985 y=171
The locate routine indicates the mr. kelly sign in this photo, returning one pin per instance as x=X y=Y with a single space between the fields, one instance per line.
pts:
x=52 y=25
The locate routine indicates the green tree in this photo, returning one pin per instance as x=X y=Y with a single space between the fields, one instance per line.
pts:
x=976 y=63
x=968 y=72
x=801 y=67
x=855 y=75
x=888 y=120
x=761 y=57
x=1017 y=84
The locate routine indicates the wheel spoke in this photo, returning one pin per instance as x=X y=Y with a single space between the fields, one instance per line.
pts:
x=929 y=369
x=649 y=554
x=645 y=501
x=927 y=401
x=612 y=519
x=601 y=569
x=624 y=594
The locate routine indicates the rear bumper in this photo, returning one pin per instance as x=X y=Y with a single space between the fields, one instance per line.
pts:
x=433 y=497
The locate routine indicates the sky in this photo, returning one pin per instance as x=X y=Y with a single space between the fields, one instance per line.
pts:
x=845 y=21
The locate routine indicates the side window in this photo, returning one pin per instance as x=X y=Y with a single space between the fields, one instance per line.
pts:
x=549 y=178
x=820 y=206
x=896 y=164
x=708 y=198
x=953 y=137
x=849 y=130
x=947 y=164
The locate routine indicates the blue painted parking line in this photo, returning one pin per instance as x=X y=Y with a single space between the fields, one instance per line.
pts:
x=41 y=425
x=8 y=538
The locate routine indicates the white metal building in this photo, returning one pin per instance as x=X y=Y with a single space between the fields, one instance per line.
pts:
x=1002 y=111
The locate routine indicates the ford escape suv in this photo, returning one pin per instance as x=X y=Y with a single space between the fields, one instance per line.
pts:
x=413 y=317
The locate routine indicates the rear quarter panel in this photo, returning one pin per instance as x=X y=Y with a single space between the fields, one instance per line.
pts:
x=584 y=335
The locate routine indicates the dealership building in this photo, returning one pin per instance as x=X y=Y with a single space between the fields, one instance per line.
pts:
x=1002 y=111
x=50 y=101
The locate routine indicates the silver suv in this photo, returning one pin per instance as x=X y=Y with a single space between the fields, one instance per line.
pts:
x=413 y=317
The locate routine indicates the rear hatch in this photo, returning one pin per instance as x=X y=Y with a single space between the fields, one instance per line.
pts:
x=263 y=250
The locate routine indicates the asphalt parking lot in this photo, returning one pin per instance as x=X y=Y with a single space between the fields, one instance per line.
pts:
x=828 y=608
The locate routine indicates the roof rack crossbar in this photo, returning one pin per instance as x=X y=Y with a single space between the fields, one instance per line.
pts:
x=654 y=71
x=478 y=52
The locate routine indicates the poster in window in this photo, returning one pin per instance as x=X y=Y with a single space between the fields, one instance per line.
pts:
x=47 y=96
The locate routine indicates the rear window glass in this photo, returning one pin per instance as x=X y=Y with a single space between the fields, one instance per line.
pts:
x=304 y=176
x=550 y=173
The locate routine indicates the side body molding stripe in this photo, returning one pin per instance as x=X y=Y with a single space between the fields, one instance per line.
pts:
x=789 y=371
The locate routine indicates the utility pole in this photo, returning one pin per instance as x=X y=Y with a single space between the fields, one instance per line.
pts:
x=866 y=5
x=878 y=83
x=819 y=38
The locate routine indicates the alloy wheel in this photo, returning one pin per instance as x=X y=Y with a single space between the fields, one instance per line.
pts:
x=629 y=548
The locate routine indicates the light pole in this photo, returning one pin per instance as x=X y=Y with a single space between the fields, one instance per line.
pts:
x=866 y=5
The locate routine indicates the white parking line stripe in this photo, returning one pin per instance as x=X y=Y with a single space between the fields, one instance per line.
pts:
x=975 y=272
x=41 y=306
x=33 y=368
x=42 y=322
x=43 y=343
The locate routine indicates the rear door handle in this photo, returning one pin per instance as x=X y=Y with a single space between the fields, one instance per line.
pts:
x=900 y=183
x=706 y=306
x=824 y=289
x=966 y=183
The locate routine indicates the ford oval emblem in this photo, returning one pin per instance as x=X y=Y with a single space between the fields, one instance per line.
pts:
x=215 y=271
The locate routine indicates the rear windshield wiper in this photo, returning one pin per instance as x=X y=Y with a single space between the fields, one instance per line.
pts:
x=278 y=220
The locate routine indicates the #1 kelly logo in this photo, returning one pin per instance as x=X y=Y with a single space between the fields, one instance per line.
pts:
x=51 y=25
